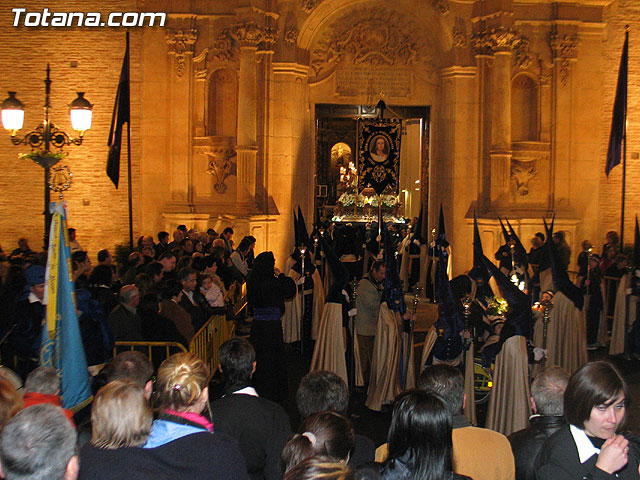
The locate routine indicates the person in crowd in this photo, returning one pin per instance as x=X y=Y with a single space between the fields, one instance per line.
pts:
x=105 y=258
x=11 y=402
x=74 y=246
x=157 y=327
x=469 y=443
x=324 y=433
x=178 y=237
x=593 y=288
x=26 y=331
x=81 y=265
x=320 y=466
x=163 y=243
x=211 y=291
x=368 y=301
x=170 y=307
x=121 y=420
x=124 y=320
x=134 y=266
x=227 y=236
x=592 y=445
x=239 y=257
x=192 y=300
x=143 y=283
x=100 y=283
x=133 y=366
x=39 y=443
x=563 y=250
x=611 y=240
x=43 y=386
x=583 y=262
x=547 y=396
x=320 y=391
x=183 y=394
x=260 y=426
x=22 y=252
x=419 y=439
x=267 y=289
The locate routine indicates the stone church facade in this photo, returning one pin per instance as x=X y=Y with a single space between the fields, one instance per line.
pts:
x=225 y=126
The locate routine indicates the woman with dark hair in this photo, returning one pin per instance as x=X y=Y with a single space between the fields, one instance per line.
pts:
x=267 y=289
x=591 y=446
x=420 y=445
x=320 y=467
x=324 y=433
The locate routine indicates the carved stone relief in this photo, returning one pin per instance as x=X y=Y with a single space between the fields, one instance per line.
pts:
x=243 y=34
x=200 y=64
x=441 y=6
x=521 y=174
x=371 y=38
x=221 y=162
x=291 y=36
x=565 y=49
x=460 y=38
x=308 y=5
x=181 y=43
x=488 y=41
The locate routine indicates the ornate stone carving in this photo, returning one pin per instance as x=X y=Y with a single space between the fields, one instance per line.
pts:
x=460 y=38
x=441 y=6
x=564 y=49
x=291 y=36
x=220 y=166
x=200 y=64
x=370 y=38
x=244 y=34
x=181 y=43
x=502 y=39
x=521 y=174
x=308 y=5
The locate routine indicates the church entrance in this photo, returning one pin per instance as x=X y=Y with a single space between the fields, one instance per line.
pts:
x=336 y=195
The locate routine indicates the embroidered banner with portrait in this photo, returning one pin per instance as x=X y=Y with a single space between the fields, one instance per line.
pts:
x=379 y=155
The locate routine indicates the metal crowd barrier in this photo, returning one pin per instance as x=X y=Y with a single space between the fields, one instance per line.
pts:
x=206 y=342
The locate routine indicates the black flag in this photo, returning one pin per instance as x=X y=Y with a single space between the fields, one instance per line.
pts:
x=619 y=120
x=119 y=118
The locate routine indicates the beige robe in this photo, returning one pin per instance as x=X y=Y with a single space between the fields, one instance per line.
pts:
x=384 y=383
x=509 y=404
x=619 y=315
x=566 y=335
x=329 y=351
x=292 y=318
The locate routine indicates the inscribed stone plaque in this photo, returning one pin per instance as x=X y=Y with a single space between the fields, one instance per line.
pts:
x=392 y=81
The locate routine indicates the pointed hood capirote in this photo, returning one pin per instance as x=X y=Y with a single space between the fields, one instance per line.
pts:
x=561 y=280
x=339 y=273
x=519 y=315
x=393 y=291
x=441 y=238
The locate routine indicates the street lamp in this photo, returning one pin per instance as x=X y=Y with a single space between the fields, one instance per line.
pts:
x=45 y=137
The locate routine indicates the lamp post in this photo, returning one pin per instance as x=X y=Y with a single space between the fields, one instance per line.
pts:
x=46 y=137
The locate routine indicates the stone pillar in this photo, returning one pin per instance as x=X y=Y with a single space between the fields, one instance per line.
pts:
x=564 y=43
x=181 y=44
x=501 y=126
x=200 y=93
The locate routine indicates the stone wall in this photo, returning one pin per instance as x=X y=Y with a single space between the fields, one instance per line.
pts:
x=89 y=60
x=617 y=15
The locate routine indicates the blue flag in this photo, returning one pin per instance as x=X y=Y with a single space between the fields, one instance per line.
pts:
x=61 y=341
x=619 y=120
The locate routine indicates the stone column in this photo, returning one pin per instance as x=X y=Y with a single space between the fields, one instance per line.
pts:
x=564 y=43
x=181 y=44
x=248 y=36
x=200 y=92
x=500 y=126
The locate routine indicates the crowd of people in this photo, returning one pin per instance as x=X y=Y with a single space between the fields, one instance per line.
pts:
x=159 y=421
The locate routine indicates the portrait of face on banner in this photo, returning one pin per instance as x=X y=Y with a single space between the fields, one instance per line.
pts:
x=379 y=155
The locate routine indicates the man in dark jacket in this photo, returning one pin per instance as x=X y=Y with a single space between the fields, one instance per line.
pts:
x=260 y=426
x=547 y=392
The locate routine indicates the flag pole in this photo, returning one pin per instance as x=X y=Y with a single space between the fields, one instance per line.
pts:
x=624 y=149
x=129 y=157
